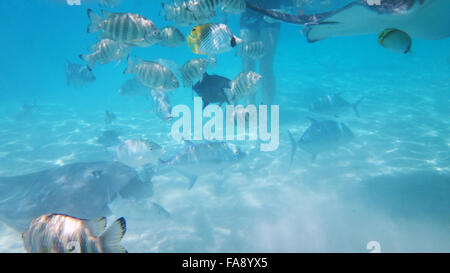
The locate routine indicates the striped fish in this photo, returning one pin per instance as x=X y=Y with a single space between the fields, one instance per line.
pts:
x=109 y=3
x=58 y=233
x=179 y=14
x=152 y=75
x=194 y=69
x=253 y=50
x=244 y=85
x=212 y=39
x=171 y=37
x=128 y=28
x=106 y=51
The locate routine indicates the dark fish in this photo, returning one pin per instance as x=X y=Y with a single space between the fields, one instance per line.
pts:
x=321 y=136
x=109 y=138
x=109 y=117
x=212 y=89
x=27 y=110
x=333 y=105
x=78 y=75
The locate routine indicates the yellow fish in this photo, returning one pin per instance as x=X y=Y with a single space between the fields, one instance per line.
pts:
x=212 y=39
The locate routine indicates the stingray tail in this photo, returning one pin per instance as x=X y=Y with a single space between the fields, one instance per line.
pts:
x=355 y=107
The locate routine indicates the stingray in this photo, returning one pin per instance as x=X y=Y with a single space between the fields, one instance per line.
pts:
x=82 y=190
x=422 y=19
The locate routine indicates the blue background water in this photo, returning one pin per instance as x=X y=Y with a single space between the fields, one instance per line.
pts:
x=391 y=185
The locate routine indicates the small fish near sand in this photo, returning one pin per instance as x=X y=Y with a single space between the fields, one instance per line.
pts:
x=212 y=39
x=109 y=117
x=395 y=40
x=78 y=75
x=211 y=88
x=106 y=51
x=128 y=28
x=203 y=158
x=109 y=138
x=171 y=37
x=59 y=233
x=152 y=74
x=321 y=137
x=334 y=105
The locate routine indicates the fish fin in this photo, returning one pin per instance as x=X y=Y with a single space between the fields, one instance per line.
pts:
x=96 y=21
x=192 y=180
x=97 y=226
x=355 y=106
x=293 y=146
x=229 y=95
x=110 y=239
x=89 y=59
x=131 y=66
x=106 y=13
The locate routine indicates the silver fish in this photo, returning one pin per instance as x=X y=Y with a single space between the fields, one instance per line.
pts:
x=244 y=85
x=128 y=28
x=162 y=106
x=180 y=14
x=153 y=75
x=321 y=136
x=106 y=51
x=199 y=159
x=254 y=50
x=195 y=69
x=333 y=105
x=138 y=153
x=59 y=233
x=78 y=75
x=171 y=37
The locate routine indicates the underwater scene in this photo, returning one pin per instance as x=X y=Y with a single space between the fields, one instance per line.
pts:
x=165 y=126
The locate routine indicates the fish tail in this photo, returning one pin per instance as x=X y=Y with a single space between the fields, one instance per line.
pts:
x=131 y=68
x=96 y=21
x=355 y=107
x=89 y=59
x=110 y=239
x=293 y=146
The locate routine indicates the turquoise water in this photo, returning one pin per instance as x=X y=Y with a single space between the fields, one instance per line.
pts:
x=391 y=184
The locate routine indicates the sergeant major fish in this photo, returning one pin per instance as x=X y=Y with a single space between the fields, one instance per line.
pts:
x=195 y=69
x=152 y=74
x=254 y=50
x=78 y=75
x=233 y=6
x=128 y=28
x=333 y=105
x=106 y=51
x=171 y=37
x=244 y=85
x=200 y=159
x=59 y=233
x=321 y=136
